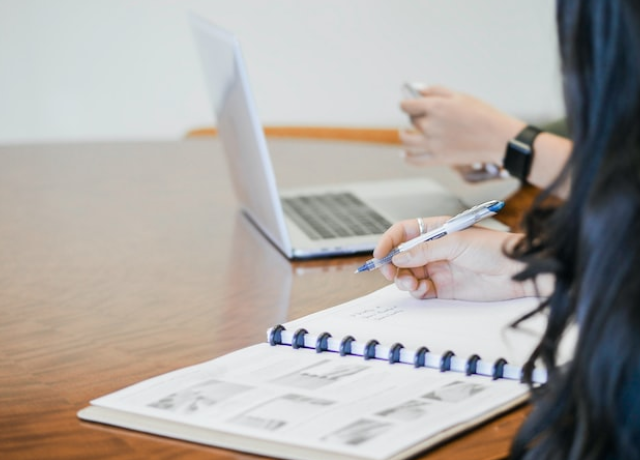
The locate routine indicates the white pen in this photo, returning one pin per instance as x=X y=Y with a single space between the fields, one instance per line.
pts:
x=463 y=220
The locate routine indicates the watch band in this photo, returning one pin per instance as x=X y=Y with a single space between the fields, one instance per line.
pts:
x=519 y=154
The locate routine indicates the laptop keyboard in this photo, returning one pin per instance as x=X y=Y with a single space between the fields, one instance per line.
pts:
x=334 y=215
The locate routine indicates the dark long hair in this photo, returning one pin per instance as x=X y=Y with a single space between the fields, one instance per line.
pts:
x=590 y=409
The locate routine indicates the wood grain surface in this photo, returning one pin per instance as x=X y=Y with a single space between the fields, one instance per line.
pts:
x=121 y=261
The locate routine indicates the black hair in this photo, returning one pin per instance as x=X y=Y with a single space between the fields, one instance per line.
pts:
x=590 y=408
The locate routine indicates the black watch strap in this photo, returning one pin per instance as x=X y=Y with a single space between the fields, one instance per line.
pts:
x=519 y=155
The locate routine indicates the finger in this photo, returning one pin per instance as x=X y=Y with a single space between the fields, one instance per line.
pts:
x=388 y=241
x=437 y=90
x=412 y=139
x=421 y=106
x=427 y=252
x=396 y=234
x=431 y=223
x=400 y=232
x=415 y=148
x=424 y=290
x=389 y=271
x=414 y=107
x=406 y=282
x=409 y=280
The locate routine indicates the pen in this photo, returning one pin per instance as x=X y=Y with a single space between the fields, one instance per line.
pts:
x=459 y=222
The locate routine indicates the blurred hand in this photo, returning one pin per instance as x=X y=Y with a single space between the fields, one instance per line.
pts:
x=455 y=128
x=465 y=265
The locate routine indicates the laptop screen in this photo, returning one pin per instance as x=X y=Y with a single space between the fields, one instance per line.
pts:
x=239 y=130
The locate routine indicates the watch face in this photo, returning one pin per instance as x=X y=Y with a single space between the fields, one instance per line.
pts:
x=520 y=153
x=520 y=146
x=518 y=159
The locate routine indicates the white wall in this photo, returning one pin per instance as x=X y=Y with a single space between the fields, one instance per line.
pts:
x=128 y=69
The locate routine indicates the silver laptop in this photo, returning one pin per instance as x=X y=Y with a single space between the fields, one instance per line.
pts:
x=303 y=224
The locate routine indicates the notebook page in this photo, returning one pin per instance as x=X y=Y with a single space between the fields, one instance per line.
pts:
x=299 y=404
x=466 y=328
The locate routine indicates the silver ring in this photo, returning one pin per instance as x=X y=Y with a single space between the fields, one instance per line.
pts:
x=420 y=225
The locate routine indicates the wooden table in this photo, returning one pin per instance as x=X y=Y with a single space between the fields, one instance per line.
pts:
x=120 y=261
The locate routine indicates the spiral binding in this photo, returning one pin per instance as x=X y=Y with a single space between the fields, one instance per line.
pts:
x=445 y=361
x=322 y=342
x=419 y=357
x=275 y=336
x=472 y=365
x=498 y=369
x=298 y=338
x=345 y=345
x=394 y=353
x=370 y=349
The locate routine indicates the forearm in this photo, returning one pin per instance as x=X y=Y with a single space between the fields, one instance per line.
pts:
x=551 y=154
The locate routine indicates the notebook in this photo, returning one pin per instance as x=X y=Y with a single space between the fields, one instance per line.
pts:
x=300 y=222
x=384 y=376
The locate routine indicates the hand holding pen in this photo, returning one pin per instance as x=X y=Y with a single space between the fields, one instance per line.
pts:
x=460 y=222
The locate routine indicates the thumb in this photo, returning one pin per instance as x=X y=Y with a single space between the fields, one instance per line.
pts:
x=437 y=90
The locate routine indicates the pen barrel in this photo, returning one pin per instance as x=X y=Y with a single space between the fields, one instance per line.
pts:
x=460 y=222
x=387 y=259
x=432 y=235
x=465 y=221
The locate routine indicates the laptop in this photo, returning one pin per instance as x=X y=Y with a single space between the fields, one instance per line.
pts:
x=300 y=223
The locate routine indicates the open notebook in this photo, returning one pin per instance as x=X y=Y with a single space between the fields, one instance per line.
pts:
x=384 y=376
x=305 y=223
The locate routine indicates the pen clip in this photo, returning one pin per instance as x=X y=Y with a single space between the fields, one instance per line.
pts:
x=492 y=206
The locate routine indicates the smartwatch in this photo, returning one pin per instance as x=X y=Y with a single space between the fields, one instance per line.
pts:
x=519 y=155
